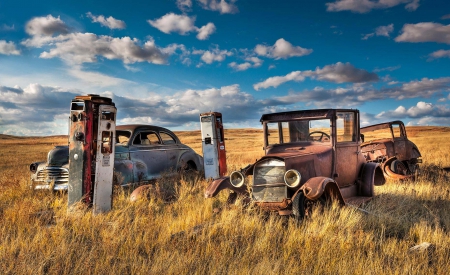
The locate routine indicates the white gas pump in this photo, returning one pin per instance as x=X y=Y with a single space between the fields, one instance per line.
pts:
x=213 y=145
x=91 y=151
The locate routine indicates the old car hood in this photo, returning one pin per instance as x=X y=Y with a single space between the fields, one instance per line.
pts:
x=284 y=152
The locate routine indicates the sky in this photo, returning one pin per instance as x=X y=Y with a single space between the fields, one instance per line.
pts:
x=164 y=62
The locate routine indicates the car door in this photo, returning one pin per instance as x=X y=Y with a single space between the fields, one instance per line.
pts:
x=173 y=150
x=148 y=155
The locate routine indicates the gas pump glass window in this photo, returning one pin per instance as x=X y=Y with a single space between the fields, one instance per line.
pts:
x=345 y=127
x=122 y=137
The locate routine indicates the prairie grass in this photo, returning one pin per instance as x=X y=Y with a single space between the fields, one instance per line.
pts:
x=38 y=235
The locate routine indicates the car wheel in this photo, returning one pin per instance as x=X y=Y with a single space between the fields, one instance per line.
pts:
x=302 y=207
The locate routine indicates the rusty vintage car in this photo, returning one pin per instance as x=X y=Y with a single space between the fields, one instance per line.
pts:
x=142 y=153
x=310 y=156
x=387 y=144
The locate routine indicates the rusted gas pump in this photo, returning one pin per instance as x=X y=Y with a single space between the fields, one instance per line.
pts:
x=213 y=145
x=91 y=151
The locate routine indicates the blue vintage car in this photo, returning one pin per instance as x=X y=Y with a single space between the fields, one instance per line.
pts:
x=142 y=154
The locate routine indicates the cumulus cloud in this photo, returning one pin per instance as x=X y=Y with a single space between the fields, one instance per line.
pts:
x=440 y=54
x=447 y=16
x=281 y=49
x=276 y=81
x=426 y=113
x=86 y=47
x=184 y=5
x=45 y=104
x=8 y=48
x=182 y=24
x=78 y=48
x=109 y=22
x=205 y=31
x=171 y=22
x=47 y=26
x=337 y=73
x=381 y=31
x=364 y=6
x=214 y=55
x=425 y=32
x=221 y=6
x=251 y=62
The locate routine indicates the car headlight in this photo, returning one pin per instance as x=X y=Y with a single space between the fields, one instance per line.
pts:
x=292 y=178
x=237 y=179
x=33 y=167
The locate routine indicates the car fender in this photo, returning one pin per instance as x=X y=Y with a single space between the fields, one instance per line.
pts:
x=223 y=183
x=315 y=187
x=187 y=157
x=370 y=175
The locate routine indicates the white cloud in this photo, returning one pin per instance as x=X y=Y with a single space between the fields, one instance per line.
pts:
x=205 y=31
x=381 y=31
x=447 y=16
x=81 y=48
x=337 y=73
x=182 y=24
x=281 y=49
x=97 y=79
x=221 y=6
x=184 y=5
x=364 y=6
x=276 y=81
x=440 y=54
x=424 y=113
x=8 y=48
x=425 y=32
x=5 y=27
x=109 y=22
x=47 y=26
x=215 y=55
x=251 y=62
x=171 y=22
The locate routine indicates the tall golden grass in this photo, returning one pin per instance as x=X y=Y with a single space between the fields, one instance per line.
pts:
x=185 y=236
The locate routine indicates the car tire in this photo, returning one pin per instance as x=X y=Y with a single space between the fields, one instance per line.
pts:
x=302 y=206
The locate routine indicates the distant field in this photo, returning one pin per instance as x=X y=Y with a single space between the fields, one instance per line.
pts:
x=185 y=236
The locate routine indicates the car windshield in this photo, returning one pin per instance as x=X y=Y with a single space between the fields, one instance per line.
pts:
x=297 y=131
x=122 y=137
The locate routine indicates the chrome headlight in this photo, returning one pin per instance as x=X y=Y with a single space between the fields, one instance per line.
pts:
x=292 y=178
x=33 y=167
x=237 y=179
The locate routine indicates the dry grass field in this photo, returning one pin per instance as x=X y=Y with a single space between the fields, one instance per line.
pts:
x=185 y=236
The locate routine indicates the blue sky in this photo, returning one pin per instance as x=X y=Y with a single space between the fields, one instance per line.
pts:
x=165 y=62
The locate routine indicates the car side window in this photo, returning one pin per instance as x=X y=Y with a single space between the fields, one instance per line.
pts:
x=345 y=127
x=146 y=138
x=396 y=130
x=166 y=138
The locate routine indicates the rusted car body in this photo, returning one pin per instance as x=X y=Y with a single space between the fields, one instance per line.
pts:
x=142 y=154
x=387 y=144
x=310 y=155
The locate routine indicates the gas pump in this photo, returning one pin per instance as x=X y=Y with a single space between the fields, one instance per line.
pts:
x=91 y=151
x=213 y=145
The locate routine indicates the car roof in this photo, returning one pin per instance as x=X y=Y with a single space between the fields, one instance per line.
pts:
x=303 y=114
x=135 y=127
x=380 y=126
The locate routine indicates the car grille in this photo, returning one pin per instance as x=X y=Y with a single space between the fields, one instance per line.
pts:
x=268 y=181
x=58 y=175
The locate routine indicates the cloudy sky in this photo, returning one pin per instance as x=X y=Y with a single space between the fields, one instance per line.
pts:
x=164 y=62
